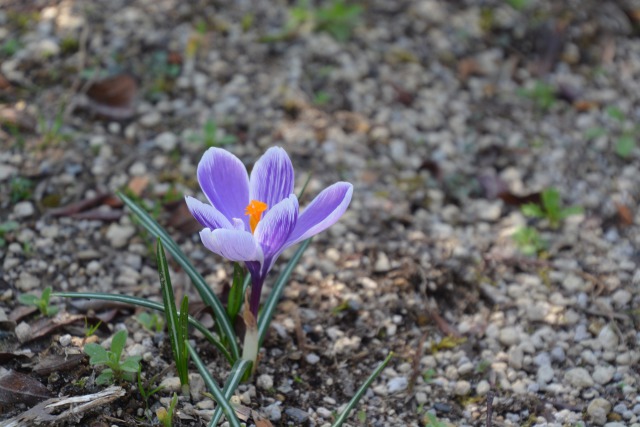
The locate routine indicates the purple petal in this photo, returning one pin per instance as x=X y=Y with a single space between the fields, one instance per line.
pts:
x=206 y=214
x=224 y=180
x=235 y=245
x=276 y=226
x=323 y=212
x=272 y=177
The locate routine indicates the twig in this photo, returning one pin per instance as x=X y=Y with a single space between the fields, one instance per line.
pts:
x=489 y=407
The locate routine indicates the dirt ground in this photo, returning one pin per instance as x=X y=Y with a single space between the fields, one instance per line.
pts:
x=454 y=120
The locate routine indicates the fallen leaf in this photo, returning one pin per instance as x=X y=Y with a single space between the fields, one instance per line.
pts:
x=182 y=220
x=79 y=206
x=57 y=362
x=625 y=215
x=99 y=215
x=45 y=325
x=137 y=184
x=20 y=388
x=583 y=105
x=113 y=97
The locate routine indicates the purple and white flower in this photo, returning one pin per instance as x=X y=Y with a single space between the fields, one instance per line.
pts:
x=254 y=219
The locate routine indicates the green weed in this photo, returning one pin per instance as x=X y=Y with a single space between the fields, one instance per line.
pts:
x=41 y=302
x=116 y=368
x=550 y=208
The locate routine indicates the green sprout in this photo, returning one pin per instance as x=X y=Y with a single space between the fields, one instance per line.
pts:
x=5 y=228
x=10 y=47
x=20 y=189
x=321 y=98
x=432 y=421
x=146 y=390
x=116 y=369
x=626 y=134
x=528 y=241
x=153 y=322
x=210 y=136
x=518 y=4
x=52 y=132
x=338 y=18
x=90 y=329
x=41 y=302
x=550 y=208
x=543 y=94
x=165 y=416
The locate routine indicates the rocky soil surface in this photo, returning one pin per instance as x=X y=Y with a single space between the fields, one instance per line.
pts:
x=447 y=116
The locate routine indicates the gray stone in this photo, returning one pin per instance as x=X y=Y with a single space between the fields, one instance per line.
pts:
x=608 y=338
x=151 y=119
x=621 y=298
x=119 y=235
x=273 y=411
x=382 y=263
x=24 y=209
x=578 y=377
x=598 y=410
x=545 y=374
x=603 y=374
x=324 y=413
x=462 y=388
x=6 y=171
x=166 y=141
x=397 y=384
x=483 y=388
x=298 y=416
x=312 y=358
x=265 y=382
x=509 y=336
x=27 y=282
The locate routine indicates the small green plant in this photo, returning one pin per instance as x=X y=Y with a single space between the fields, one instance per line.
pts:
x=428 y=375
x=321 y=98
x=146 y=390
x=5 y=228
x=153 y=322
x=10 y=47
x=52 y=132
x=337 y=18
x=116 y=369
x=626 y=134
x=518 y=4
x=550 y=208
x=165 y=416
x=41 y=302
x=528 y=241
x=542 y=94
x=90 y=329
x=210 y=136
x=432 y=421
x=362 y=416
x=20 y=189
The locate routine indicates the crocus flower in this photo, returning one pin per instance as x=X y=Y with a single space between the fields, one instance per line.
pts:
x=254 y=219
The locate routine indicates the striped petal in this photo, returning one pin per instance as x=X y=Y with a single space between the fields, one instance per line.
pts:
x=235 y=245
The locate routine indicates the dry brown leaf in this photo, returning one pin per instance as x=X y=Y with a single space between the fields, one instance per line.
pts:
x=138 y=184
x=624 y=214
x=113 y=97
x=20 y=388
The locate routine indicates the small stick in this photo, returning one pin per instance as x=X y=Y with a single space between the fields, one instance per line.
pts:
x=489 y=407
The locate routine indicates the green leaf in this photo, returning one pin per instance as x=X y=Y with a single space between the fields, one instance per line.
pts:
x=118 y=342
x=50 y=310
x=183 y=370
x=97 y=354
x=169 y=302
x=363 y=388
x=141 y=302
x=235 y=294
x=551 y=200
x=625 y=145
x=106 y=377
x=532 y=210
x=46 y=294
x=207 y=295
x=29 y=299
x=213 y=388
x=615 y=113
x=237 y=372
x=131 y=364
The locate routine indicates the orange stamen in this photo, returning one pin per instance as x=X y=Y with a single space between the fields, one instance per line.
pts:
x=254 y=210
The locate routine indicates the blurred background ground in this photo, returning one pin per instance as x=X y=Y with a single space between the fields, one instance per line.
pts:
x=447 y=116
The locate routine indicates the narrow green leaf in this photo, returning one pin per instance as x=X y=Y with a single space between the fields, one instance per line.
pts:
x=118 y=342
x=235 y=294
x=141 y=302
x=264 y=319
x=363 y=388
x=236 y=375
x=183 y=370
x=213 y=388
x=169 y=302
x=571 y=210
x=46 y=294
x=207 y=295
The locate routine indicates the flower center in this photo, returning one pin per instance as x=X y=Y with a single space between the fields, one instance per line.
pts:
x=254 y=211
